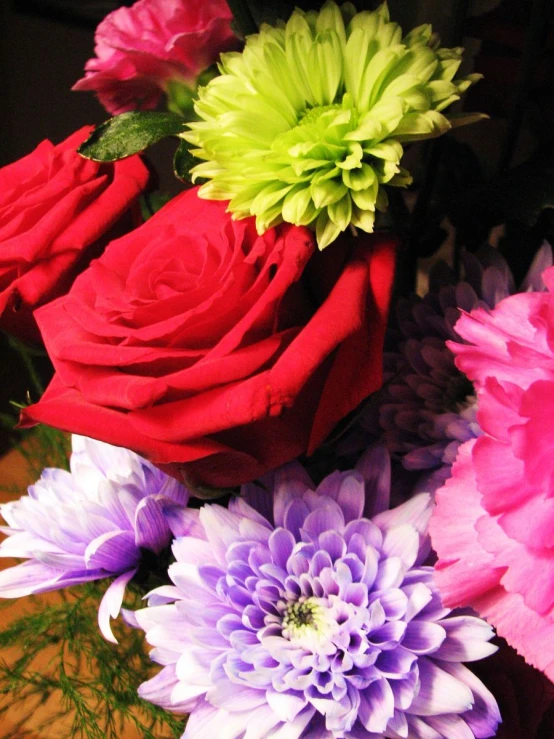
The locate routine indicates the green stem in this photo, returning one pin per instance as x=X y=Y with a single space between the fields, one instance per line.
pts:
x=26 y=353
x=243 y=16
x=31 y=370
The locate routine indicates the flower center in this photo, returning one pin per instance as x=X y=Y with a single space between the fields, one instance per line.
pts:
x=301 y=617
x=312 y=115
x=308 y=621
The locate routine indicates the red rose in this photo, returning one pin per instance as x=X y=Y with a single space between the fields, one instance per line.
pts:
x=55 y=207
x=212 y=350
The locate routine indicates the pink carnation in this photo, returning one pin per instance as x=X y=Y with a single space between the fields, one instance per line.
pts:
x=493 y=528
x=140 y=49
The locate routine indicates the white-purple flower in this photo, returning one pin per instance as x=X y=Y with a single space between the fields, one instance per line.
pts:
x=93 y=522
x=315 y=617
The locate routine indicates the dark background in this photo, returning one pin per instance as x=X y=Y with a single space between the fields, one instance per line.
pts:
x=44 y=45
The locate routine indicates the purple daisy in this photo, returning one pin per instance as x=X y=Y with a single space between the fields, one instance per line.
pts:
x=428 y=407
x=93 y=522
x=307 y=618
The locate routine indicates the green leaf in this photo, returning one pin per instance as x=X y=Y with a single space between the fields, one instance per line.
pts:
x=152 y=202
x=180 y=99
x=130 y=133
x=183 y=161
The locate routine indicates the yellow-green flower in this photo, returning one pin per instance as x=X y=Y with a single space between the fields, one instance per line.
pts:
x=307 y=123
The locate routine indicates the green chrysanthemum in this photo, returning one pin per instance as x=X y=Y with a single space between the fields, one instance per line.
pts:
x=307 y=123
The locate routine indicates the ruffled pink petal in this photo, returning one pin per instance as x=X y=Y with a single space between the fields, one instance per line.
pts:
x=533 y=441
x=507 y=343
x=464 y=570
x=498 y=408
x=501 y=484
x=531 y=635
x=481 y=566
x=138 y=49
x=527 y=572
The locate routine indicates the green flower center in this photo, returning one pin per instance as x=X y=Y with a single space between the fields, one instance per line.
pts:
x=302 y=617
x=312 y=115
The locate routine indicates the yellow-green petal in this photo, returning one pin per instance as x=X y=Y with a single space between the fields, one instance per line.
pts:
x=307 y=124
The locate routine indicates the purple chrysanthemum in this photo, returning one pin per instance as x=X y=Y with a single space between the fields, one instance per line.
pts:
x=428 y=407
x=311 y=620
x=93 y=522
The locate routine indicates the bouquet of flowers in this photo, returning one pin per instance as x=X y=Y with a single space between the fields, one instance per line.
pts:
x=301 y=499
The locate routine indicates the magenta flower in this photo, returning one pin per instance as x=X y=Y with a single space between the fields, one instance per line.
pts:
x=308 y=619
x=96 y=521
x=140 y=50
x=494 y=523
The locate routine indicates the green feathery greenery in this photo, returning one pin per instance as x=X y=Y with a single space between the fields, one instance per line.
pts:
x=309 y=121
x=88 y=685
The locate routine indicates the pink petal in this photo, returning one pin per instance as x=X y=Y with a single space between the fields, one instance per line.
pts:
x=464 y=570
x=531 y=635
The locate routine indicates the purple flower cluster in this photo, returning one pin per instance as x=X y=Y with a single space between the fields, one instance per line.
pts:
x=312 y=614
x=90 y=523
x=428 y=407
